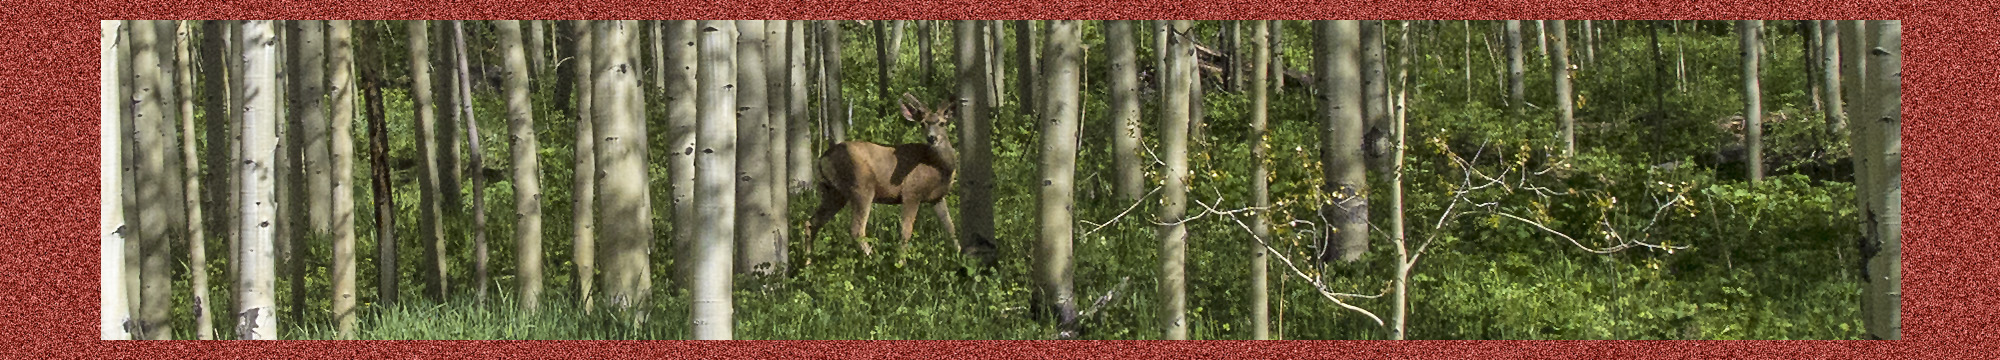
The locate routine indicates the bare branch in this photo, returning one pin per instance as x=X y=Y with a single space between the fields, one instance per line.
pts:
x=1114 y=219
x=1316 y=283
x=1624 y=244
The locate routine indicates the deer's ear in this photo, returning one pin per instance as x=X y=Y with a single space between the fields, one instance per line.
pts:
x=913 y=110
x=912 y=114
x=911 y=101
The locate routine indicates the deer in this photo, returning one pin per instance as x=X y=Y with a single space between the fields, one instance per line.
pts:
x=860 y=174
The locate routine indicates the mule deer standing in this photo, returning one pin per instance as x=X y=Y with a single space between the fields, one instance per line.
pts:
x=862 y=174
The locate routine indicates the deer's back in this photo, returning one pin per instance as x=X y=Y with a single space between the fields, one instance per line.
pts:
x=891 y=172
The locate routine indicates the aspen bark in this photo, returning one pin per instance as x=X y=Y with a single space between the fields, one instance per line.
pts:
x=1560 y=69
x=1881 y=101
x=537 y=55
x=430 y=228
x=191 y=167
x=1753 y=111
x=1836 y=116
x=584 y=194
x=755 y=222
x=777 y=73
x=799 y=132
x=1516 y=83
x=715 y=166
x=681 y=121
x=340 y=43
x=975 y=131
x=835 y=102
x=1260 y=196
x=620 y=133
x=464 y=87
x=527 y=169
x=1341 y=124
x=1375 y=90
x=1174 y=138
x=1401 y=308
x=1055 y=268
x=1126 y=140
x=113 y=312
x=158 y=181
x=256 y=318
x=312 y=77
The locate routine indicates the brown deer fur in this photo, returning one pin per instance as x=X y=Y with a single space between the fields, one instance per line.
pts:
x=861 y=174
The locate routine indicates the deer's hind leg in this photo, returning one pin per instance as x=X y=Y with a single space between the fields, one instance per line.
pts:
x=862 y=205
x=830 y=204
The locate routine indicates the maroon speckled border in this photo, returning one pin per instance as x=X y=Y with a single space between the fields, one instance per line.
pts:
x=48 y=164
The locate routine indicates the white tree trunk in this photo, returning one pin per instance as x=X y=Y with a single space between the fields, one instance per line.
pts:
x=1560 y=69
x=537 y=55
x=190 y=161
x=584 y=193
x=1516 y=84
x=681 y=119
x=159 y=182
x=1340 y=133
x=234 y=62
x=836 y=100
x=620 y=133
x=975 y=134
x=340 y=42
x=429 y=222
x=1829 y=53
x=1375 y=92
x=1400 y=329
x=1125 y=110
x=777 y=95
x=755 y=224
x=1882 y=304
x=1054 y=267
x=478 y=165
x=527 y=169
x=711 y=310
x=1260 y=195
x=312 y=78
x=799 y=137
x=1174 y=137
x=256 y=304
x=1753 y=103
x=112 y=310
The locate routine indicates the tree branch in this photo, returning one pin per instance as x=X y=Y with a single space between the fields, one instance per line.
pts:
x=1317 y=285
x=1114 y=219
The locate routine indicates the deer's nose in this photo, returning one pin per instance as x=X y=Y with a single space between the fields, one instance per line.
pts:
x=931 y=138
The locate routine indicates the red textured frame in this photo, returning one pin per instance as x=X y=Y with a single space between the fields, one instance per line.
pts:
x=48 y=158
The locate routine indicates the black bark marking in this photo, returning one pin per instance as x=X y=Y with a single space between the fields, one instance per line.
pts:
x=246 y=324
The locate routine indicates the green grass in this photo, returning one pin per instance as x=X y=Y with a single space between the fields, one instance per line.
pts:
x=1771 y=261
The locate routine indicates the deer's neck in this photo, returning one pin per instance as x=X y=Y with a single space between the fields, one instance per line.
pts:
x=947 y=158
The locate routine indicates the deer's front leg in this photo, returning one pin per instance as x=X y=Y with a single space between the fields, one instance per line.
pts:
x=944 y=215
x=909 y=220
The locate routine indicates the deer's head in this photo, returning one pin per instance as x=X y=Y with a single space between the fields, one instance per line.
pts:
x=933 y=120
